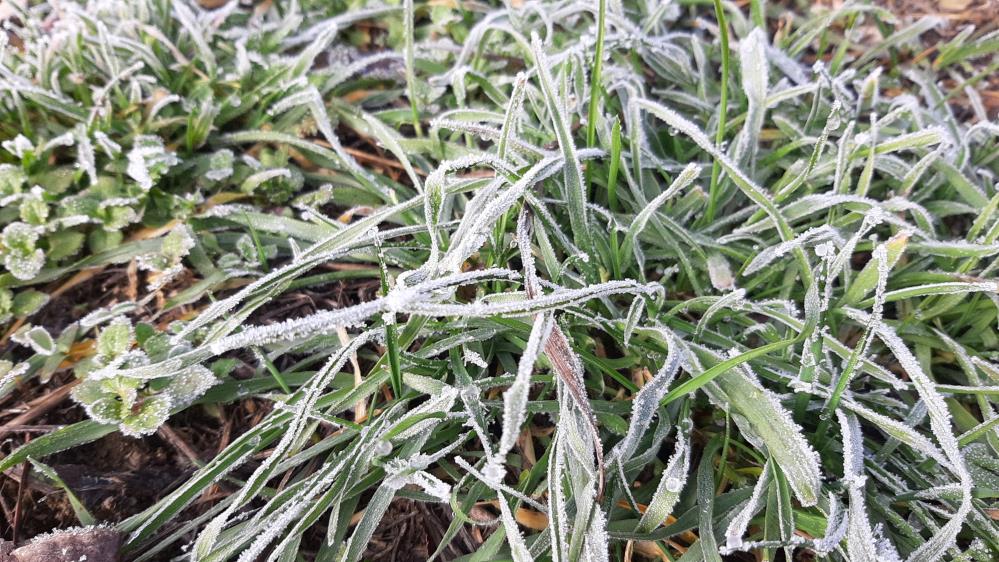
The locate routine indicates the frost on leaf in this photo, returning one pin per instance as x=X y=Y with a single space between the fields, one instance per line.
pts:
x=147 y=417
x=940 y=424
x=20 y=256
x=720 y=273
x=34 y=209
x=758 y=412
x=740 y=523
x=189 y=384
x=515 y=398
x=12 y=180
x=753 y=60
x=673 y=479
x=20 y=146
x=115 y=339
x=861 y=542
x=220 y=165
x=37 y=338
x=644 y=407
x=149 y=160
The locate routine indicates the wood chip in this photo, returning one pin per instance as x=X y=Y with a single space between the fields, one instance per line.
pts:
x=93 y=544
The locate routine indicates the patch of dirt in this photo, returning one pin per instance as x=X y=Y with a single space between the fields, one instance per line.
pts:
x=411 y=531
x=956 y=13
x=104 y=288
x=114 y=477
x=304 y=302
x=117 y=476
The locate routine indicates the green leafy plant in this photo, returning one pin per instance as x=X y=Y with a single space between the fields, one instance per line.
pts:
x=628 y=284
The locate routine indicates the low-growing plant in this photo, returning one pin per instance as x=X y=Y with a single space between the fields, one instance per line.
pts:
x=650 y=274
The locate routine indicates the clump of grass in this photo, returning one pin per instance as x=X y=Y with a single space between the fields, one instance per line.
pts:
x=759 y=299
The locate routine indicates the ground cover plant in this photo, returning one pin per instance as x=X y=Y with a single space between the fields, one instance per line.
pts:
x=679 y=280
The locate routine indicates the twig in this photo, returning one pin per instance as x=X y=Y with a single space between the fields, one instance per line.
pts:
x=37 y=408
x=18 y=507
x=178 y=443
x=31 y=428
x=371 y=158
x=8 y=512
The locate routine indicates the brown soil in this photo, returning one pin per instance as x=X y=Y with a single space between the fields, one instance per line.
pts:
x=116 y=476
x=956 y=13
x=411 y=531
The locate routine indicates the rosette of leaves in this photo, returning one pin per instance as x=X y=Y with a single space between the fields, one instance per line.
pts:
x=137 y=406
x=56 y=225
x=49 y=222
x=109 y=203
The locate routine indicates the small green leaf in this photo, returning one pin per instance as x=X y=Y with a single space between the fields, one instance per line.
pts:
x=189 y=384
x=115 y=339
x=88 y=391
x=37 y=338
x=152 y=412
x=105 y=410
x=64 y=243
x=59 y=440
x=27 y=302
x=12 y=178
x=101 y=240
x=177 y=243
x=34 y=211
x=6 y=305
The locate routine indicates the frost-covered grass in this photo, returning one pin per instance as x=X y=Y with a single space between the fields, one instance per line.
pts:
x=644 y=271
